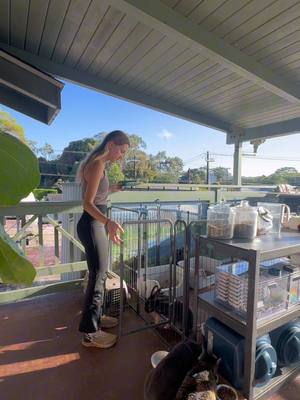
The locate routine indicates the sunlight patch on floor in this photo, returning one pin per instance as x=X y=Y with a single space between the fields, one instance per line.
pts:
x=38 y=364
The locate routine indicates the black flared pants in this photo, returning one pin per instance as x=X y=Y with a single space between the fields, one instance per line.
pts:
x=93 y=236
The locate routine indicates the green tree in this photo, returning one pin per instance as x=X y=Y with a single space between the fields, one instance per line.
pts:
x=170 y=166
x=65 y=166
x=33 y=145
x=134 y=163
x=288 y=175
x=136 y=143
x=47 y=151
x=222 y=174
x=10 y=125
x=286 y=171
x=145 y=168
x=115 y=173
x=164 y=178
x=99 y=136
x=194 y=175
x=175 y=167
x=137 y=163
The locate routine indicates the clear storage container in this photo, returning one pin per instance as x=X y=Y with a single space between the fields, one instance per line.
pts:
x=280 y=213
x=207 y=267
x=278 y=266
x=294 y=289
x=220 y=221
x=231 y=289
x=245 y=221
x=264 y=221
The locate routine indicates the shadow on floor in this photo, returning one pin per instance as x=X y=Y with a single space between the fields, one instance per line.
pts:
x=41 y=356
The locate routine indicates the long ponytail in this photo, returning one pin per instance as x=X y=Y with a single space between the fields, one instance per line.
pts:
x=118 y=137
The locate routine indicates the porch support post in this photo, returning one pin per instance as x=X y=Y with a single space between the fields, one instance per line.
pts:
x=237 y=163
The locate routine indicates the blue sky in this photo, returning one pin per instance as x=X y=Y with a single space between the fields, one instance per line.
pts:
x=85 y=113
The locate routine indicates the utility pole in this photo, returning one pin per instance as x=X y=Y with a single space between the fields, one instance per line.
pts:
x=189 y=175
x=134 y=161
x=208 y=160
x=134 y=167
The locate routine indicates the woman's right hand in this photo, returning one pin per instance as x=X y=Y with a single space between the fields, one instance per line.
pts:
x=113 y=231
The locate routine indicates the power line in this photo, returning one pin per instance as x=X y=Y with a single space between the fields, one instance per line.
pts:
x=194 y=158
x=276 y=158
x=47 y=163
x=222 y=154
x=262 y=157
x=45 y=174
x=71 y=151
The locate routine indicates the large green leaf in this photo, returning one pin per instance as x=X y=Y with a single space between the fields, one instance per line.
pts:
x=14 y=267
x=19 y=171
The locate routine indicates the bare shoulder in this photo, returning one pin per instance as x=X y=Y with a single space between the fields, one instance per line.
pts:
x=94 y=169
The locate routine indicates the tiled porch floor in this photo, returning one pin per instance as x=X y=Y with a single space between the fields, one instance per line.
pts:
x=41 y=357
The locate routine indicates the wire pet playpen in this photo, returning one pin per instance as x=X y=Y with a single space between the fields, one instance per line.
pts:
x=152 y=261
x=156 y=284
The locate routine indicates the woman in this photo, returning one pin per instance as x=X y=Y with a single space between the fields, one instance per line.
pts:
x=92 y=229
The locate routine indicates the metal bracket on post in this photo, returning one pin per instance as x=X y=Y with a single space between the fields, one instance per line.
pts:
x=236 y=136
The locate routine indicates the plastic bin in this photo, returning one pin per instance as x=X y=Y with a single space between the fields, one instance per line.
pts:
x=231 y=289
x=207 y=268
x=286 y=341
x=161 y=274
x=294 y=289
x=245 y=221
x=230 y=347
x=284 y=265
x=220 y=221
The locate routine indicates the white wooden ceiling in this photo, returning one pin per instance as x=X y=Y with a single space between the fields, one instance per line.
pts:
x=230 y=64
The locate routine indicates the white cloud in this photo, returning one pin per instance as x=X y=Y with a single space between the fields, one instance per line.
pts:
x=165 y=134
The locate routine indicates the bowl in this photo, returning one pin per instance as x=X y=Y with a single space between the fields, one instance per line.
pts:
x=226 y=392
x=157 y=357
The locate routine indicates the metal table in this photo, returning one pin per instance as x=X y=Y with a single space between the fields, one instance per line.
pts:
x=262 y=248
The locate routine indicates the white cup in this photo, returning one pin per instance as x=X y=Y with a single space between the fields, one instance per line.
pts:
x=157 y=357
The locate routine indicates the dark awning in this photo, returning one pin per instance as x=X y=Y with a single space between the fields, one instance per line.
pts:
x=28 y=90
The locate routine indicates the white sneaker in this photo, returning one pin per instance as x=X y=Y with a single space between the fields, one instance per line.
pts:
x=101 y=339
x=108 y=322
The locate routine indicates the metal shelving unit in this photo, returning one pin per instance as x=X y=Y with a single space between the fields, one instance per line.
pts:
x=260 y=249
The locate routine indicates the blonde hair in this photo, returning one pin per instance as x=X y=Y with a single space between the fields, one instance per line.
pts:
x=117 y=137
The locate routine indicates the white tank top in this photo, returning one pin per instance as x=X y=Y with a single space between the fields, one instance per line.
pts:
x=102 y=191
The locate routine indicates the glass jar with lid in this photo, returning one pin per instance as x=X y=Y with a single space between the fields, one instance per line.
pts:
x=220 y=221
x=245 y=221
x=264 y=221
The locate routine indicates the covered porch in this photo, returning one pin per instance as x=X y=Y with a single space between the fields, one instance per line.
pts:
x=232 y=66
x=41 y=356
